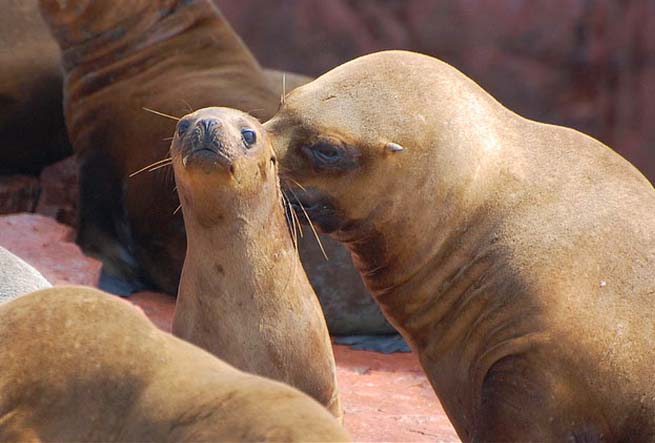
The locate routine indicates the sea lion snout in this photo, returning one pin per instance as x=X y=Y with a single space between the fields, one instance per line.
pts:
x=204 y=142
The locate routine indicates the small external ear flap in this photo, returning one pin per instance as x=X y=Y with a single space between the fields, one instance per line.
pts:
x=394 y=147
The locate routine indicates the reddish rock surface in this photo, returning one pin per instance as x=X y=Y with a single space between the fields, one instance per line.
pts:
x=59 y=188
x=585 y=64
x=18 y=193
x=48 y=246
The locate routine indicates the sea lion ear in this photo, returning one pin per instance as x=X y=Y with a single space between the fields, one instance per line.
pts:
x=394 y=147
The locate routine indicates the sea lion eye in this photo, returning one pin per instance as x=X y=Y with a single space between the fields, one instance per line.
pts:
x=326 y=153
x=249 y=136
x=182 y=127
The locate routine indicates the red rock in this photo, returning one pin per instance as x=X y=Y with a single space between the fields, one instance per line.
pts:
x=59 y=191
x=157 y=306
x=18 y=193
x=48 y=246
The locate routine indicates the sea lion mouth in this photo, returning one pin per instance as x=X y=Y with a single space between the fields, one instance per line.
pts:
x=313 y=206
x=206 y=157
x=205 y=148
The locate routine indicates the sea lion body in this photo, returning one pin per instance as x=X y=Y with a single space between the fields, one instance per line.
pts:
x=170 y=56
x=32 y=130
x=244 y=295
x=515 y=257
x=18 y=277
x=79 y=365
x=132 y=61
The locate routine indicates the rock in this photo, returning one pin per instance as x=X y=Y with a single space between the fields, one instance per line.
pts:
x=157 y=306
x=48 y=246
x=18 y=193
x=59 y=191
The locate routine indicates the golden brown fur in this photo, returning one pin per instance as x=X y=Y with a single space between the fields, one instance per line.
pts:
x=119 y=57
x=244 y=295
x=172 y=56
x=32 y=132
x=79 y=365
x=516 y=257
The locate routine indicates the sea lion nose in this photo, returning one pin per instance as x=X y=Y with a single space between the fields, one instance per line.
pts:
x=206 y=124
x=205 y=133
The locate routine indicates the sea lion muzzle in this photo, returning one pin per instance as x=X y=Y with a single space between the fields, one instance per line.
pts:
x=205 y=145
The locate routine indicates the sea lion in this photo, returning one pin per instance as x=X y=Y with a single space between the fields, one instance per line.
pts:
x=32 y=130
x=171 y=56
x=18 y=277
x=515 y=257
x=244 y=295
x=77 y=364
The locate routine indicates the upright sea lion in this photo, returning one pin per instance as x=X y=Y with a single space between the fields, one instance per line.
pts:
x=244 y=295
x=515 y=257
x=172 y=56
x=79 y=365
x=18 y=277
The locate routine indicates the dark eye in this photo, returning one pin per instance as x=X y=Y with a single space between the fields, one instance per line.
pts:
x=182 y=127
x=249 y=136
x=326 y=153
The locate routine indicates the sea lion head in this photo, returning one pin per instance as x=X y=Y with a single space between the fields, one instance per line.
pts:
x=223 y=162
x=75 y=22
x=381 y=126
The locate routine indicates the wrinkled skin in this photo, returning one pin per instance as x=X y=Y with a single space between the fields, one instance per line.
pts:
x=244 y=295
x=79 y=365
x=172 y=56
x=515 y=257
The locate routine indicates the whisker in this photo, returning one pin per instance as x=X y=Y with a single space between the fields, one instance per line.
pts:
x=295 y=215
x=284 y=88
x=160 y=166
x=311 y=225
x=296 y=183
x=188 y=106
x=161 y=114
x=167 y=139
x=177 y=209
x=294 y=235
x=159 y=162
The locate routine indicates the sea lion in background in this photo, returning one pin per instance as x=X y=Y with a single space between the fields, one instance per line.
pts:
x=244 y=295
x=515 y=257
x=32 y=131
x=171 y=56
x=79 y=365
x=18 y=277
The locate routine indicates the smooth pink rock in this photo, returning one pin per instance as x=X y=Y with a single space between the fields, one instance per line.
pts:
x=48 y=246
x=157 y=306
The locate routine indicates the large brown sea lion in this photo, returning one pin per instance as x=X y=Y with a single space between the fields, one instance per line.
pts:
x=173 y=56
x=517 y=258
x=32 y=132
x=79 y=365
x=244 y=295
